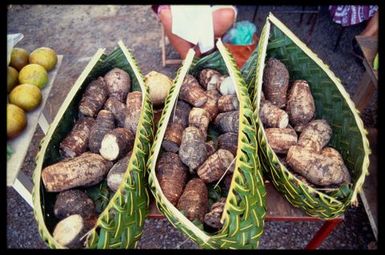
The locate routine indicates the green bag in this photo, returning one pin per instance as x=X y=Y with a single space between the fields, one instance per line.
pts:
x=332 y=103
x=120 y=223
x=244 y=209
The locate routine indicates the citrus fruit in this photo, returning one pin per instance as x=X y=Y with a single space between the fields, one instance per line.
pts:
x=26 y=96
x=12 y=80
x=16 y=120
x=44 y=56
x=34 y=74
x=19 y=58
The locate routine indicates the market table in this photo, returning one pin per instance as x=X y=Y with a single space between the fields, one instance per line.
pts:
x=279 y=209
x=368 y=84
x=15 y=178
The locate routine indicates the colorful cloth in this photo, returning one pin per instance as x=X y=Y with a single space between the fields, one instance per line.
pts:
x=348 y=15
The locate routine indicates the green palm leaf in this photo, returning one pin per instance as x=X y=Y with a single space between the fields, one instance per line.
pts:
x=333 y=103
x=244 y=210
x=120 y=223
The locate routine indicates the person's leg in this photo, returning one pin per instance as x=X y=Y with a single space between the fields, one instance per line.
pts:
x=223 y=19
x=371 y=28
x=180 y=45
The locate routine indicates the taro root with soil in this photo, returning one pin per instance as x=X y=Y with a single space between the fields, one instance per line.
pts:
x=199 y=146
x=172 y=176
x=275 y=82
x=76 y=142
x=303 y=153
x=96 y=154
x=118 y=83
x=104 y=122
x=94 y=97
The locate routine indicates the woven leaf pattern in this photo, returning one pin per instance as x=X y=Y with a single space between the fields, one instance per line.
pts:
x=244 y=210
x=120 y=224
x=332 y=104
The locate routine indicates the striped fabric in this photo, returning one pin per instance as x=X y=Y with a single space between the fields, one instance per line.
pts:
x=348 y=15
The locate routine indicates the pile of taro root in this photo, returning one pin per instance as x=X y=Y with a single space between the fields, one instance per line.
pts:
x=295 y=134
x=96 y=150
x=197 y=159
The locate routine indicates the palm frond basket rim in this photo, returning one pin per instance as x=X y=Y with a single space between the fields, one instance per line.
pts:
x=145 y=122
x=262 y=51
x=176 y=218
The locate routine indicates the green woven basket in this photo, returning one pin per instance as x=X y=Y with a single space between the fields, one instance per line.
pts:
x=244 y=210
x=120 y=224
x=332 y=103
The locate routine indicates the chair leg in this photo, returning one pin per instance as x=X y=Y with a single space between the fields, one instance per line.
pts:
x=301 y=16
x=314 y=22
x=339 y=38
x=163 y=46
x=255 y=13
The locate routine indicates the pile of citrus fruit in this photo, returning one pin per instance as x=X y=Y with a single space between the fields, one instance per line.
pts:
x=27 y=75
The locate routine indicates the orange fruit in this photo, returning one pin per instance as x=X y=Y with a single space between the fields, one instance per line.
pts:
x=16 y=120
x=34 y=74
x=12 y=79
x=44 y=56
x=19 y=58
x=26 y=96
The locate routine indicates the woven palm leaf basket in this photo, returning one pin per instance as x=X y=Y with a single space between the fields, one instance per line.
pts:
x=122 y=213
x=332 y=103
x=244 y=208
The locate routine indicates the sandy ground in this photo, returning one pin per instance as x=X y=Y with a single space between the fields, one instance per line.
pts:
x=78 y=31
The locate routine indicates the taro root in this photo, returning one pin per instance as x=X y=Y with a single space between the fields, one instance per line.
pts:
x=209 y=78
x=200 y=119
x=228 y=103
x=85 y=170
x=273 y=116
x=76 y=142
x=300 y=104
x=228 y=141
x=215 y=166
x=317 y=168
x=157 y=116
x=227 y=122
x=104 y=122
x=211 y=106
x=94 y=97
x=69 y=232
x=172 y=137
x=315 y=135
x=118 y=109
x=213 y=218
x=281 y=139
x=117 y=171
x=172 y=176
x=334 y=154
x=211 y=148
x=192 y=150
x=73 y=201
x=194 y=200
x=192 y=92
x=116 y=143
x=275 y=82
x=118 y=83
x=134 y=108
x=226 y=182
x=180 y=113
